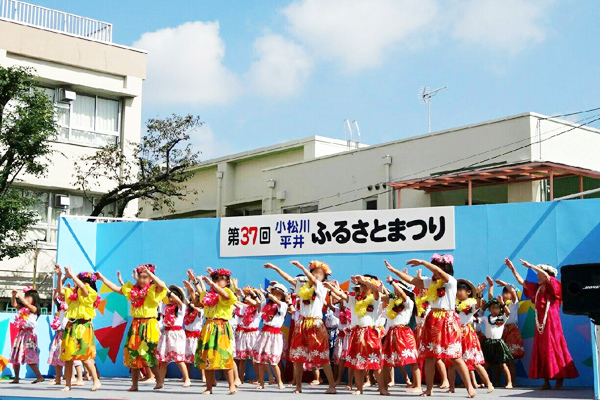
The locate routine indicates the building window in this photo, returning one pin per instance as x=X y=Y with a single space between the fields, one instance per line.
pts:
x=302 y=209
x=48 y=211
x=371 y=204
x=90 y=120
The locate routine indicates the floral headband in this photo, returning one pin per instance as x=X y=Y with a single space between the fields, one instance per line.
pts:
x=221 y=272
x=320 y=264
x=375 y=282
x=247 y=289
x=87 y=275
x=27 y=289
x=443 y=258
x=140 y=268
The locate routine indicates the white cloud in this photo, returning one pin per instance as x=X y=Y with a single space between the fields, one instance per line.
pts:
x=185 y=66
x=357 y=32
x=507 y=25
x=203 y=140
x=282 y=67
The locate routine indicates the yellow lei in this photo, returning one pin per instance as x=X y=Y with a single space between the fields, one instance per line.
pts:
x=464 y=304
x=307 y=291
x=419 y=300
x=360 y=308
x=391 y=314
x=508 y=302
x=431 y=295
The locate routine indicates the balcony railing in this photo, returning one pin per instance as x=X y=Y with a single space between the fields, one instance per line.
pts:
x=54 y=20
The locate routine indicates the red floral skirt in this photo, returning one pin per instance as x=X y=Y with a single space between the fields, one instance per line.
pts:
x=471 y=348
x=309 y=343
x=399 y=347
x=441 y=337
x=365 y=350
x=513 y=339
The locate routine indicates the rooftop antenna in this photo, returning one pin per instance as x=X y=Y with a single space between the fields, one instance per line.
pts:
x=355 y=123
x=425 y=95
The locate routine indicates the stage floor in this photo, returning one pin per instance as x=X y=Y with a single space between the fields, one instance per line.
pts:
x=115 y=388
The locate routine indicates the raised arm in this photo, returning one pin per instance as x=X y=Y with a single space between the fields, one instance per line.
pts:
x=282 y=273
x=274 y=299
x=512 y=269
x=120 y=278
x=69 y=272
x=308 y=274
x=404 y=275
x=490 y=287
x=59 y=281
x=111 y=285
x=433 y=268
x=479 y=296
x=13 y=299
x=543 y=275
x=175 y=299
x=198 y=283
x=398 y=290
x=209 y=283
x=336 y=291
x=504 y=306
x=374 y=289
x=160 y=285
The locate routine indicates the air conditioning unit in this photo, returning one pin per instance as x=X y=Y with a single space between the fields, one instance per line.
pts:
x=66 y=96
x=62 y=201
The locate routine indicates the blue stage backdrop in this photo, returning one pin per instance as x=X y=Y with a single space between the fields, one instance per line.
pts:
x=556 y=233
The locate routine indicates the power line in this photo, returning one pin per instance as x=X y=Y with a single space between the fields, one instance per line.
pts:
x=469 y=167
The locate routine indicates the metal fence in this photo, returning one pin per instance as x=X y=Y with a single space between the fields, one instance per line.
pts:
x=46 y=18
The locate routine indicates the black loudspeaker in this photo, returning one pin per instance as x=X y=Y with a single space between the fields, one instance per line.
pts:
x=581 y=290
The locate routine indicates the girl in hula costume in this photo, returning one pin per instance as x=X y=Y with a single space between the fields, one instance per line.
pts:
x=466 y=307
x=215 y=345
x=78 y=343
x=142 y=338
x=25 y=348
x=193 y=320
x=246 y=333
x=441 y=337
x=399 y=345
x=309 y=342
x=365 y=346
x=58 y=325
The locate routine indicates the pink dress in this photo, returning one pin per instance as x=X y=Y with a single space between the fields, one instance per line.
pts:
x=550 y=358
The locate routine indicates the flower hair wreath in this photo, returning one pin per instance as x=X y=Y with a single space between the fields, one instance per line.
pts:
x=220 y=272
x=140 y=268
x=443 y=258
x=87 y=275
x=320 y=264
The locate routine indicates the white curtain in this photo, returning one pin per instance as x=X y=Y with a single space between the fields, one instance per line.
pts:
x=84 y=110
x=107 y=116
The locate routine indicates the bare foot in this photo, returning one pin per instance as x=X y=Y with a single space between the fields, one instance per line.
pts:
x=559 y=384
x=508 y=386
x=150 y=380
x=415 y=390
x=331 y=390
x=314 y=383
x=133 y=389
x=96 y=386
x=384 y=392
x=490 y=388
x=53 y=382
x=348 y=387
x=357 y=392
x=426 y=393
x=297 y=391
x=471 y=393
x=16 y=380
x=237 y=382
x=78 y=383
x=259 y=387
x=281 y=386
x=232 y=390
x=367 y=384
x=207 y=392
x=545 y=387
x=187 y=383
x=450 y=390
x=39 y=380
x=65 y=389
x=159 y=386
x=444 y=385
x=391 y=384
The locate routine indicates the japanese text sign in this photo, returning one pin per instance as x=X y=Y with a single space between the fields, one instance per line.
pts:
x=410 y=229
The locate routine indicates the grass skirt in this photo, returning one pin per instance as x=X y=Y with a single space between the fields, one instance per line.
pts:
x=141 y=342
x=215 y=346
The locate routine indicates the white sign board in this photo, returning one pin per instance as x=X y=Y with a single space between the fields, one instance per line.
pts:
x=408 y=229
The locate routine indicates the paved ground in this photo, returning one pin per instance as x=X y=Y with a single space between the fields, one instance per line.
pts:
x=115 y=388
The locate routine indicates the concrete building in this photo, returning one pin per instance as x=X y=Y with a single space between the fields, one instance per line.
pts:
x=513 y=159
x=96 y=86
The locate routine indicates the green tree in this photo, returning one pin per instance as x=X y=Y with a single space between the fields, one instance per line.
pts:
x=154 y=170
x=26 y=126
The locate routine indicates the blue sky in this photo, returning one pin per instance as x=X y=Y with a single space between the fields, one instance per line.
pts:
x=261 y=72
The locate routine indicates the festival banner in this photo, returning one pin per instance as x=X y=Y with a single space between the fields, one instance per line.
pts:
x=409 y=229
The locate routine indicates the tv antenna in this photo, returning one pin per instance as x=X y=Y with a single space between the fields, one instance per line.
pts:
x=425 y=95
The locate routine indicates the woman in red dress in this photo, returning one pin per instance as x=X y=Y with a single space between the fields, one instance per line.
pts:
x=550 y=358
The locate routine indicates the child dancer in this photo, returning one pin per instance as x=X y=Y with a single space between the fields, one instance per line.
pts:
x=512 y=335
x=550 y=357
x=269 y=345
x=78 y=342
x=495 y=350
x=309 y=342
x=399 y=345
x=171 y=345
x=365 y=348
x=193 y=320
x=58 y=326
x=215 y=347
x=25 y=348
x=340 y=346
x=441 y=337
x=247 y=330
x=466 y=307
x=142 y=337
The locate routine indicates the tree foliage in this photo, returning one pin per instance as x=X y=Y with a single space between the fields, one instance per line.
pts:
x=26 y=126
x=154 y=169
